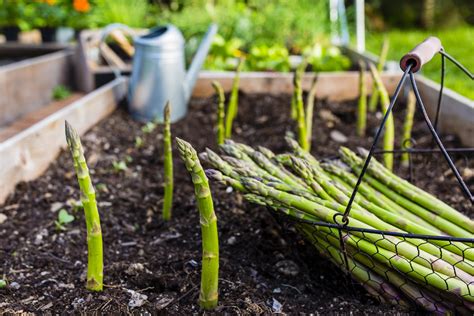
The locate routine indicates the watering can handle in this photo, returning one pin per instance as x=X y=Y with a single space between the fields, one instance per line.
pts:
x=421 y=54
x=103 y=36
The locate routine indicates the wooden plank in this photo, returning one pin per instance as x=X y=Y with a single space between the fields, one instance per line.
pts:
x=333 y=86
x=15 y=49
x=27 y=85
x=457 y=111
x=28 y=154
x=36 y=116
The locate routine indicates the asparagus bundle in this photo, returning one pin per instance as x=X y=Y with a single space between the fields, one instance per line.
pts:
x=395 y=267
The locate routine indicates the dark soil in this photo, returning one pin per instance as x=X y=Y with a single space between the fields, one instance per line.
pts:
x=262 y=265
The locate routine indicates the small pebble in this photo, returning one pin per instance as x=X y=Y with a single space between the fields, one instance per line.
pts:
x=277 y=290
x=134 y=269
x=337 y=136
x=276 y=305
x=232 y=240
x=14 y=285
x=56 y=206
x=137 y=299
x=287 y=267
x=3 y=218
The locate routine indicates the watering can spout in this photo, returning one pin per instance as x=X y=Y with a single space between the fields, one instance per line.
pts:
x=199 y=58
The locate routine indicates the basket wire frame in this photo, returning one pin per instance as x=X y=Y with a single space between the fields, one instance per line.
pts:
x=392 y=276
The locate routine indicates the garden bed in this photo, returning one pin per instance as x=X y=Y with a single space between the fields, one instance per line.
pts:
x=262 y=265
x=26 y=84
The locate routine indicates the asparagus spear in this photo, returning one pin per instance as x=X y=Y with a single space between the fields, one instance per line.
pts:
x=300 y=115
x=416 y=269
x=232 y=108
x=389 y=133
x=208 y=295
x=374 y=98
x=168 y=164
x=220 y=112
x=376 y=197
x=95 y=264
x=410 y=191
x=300 y=152
x=309 y=111
x=362 y=104
x=407 y=126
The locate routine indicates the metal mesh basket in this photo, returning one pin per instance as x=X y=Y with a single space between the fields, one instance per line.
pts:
x=434 y=273
x=396 y=268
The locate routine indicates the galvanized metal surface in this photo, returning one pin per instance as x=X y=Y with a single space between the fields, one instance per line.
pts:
x=159 y=73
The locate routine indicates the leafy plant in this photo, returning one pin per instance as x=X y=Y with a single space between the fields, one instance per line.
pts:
x=47 y=13
x=265 y=58
x=149 y=127
x=325 y=57
x=63 y=218
x=13 y=13
x=139 y=142
x=61 y=92
x=3 y=283
x=133 y=13
x=119 y=166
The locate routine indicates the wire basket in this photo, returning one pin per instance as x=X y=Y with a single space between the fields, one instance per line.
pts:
x=393 y=267
x=434 y=273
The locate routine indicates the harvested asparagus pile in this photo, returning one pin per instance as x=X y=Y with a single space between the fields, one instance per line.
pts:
x=437 y=274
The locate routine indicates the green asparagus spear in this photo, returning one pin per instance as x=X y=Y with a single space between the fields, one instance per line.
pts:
x=210 y=242
x=362 y=104
x=407 y=126
x=232 y=108
x=411 y=192
x=168 y=164
x=220 y=112
x=95 y=264
x=389 y=133
x=374 y=98
x=309 y=111
x=300 y=115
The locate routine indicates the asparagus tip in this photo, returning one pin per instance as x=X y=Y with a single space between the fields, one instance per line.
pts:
x=214 y=174
x=167 y=110
x=72 y=137
x=185 y=148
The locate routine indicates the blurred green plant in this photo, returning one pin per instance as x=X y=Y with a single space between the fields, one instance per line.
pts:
x=47 y=13
x=325 y=57
x=12 y=13
x=134 y=13
x=265 y=58
x=61 y=92
x=63 y=218
x=265 y=32
x=457 y=42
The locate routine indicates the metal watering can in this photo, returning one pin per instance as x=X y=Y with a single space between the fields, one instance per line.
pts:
x=159 y=74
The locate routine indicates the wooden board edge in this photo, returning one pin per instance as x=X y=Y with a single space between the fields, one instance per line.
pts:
x=333 y=86
x=28 y=154
x=457 y=111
